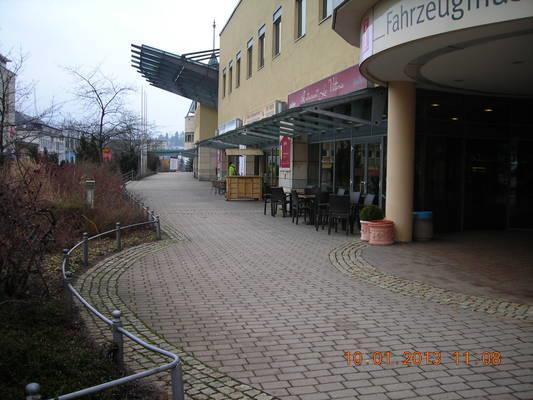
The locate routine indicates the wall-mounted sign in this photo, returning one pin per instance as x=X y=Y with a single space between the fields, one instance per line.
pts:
x=229 y=126
x=342 y=83
x=394 y=22
x=285 y=144
x=269 y=110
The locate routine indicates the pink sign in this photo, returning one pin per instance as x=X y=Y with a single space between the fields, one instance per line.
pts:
x=344 y=82
x=367 y=38
x=285 y=156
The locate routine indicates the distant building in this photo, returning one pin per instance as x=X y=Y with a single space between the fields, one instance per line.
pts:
x=49 y=140
x=190 y=123
x=7 y=101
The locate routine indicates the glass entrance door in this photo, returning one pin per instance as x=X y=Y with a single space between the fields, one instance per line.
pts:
x=367 y=169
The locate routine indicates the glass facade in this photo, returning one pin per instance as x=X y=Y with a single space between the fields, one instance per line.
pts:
x=474 y=158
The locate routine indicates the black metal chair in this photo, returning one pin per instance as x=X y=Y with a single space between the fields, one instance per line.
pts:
x=267 y=196
x=321 y=205
x=298 y=207
x=277 y=198
x=339 y=210
x=355 y=199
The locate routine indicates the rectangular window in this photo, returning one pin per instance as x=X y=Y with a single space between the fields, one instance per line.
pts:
x=301 y=14
x=238 y=70
x=326 y=9
x=224 y=83
x=230 y=82
x=249 y=61
x=261 y=47
x=276 y=35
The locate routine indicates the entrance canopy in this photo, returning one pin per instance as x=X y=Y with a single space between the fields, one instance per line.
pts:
x=187 y=75
x=311 y=120
x=189 y=153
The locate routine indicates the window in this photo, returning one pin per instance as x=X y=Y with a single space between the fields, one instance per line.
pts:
x=238 y=70
x=230 y=83
x=224 y=83
x=326 y=9
x=250 y=54
x=276 y=44
x=301 y=11
x=261 y=47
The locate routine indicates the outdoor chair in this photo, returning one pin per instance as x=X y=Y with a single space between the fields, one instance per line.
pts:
x=355 y=198
x=321 y=205
x=298 y=207
x=339 y=210
x=277 y=198
x=267 y=196
x=310 y=190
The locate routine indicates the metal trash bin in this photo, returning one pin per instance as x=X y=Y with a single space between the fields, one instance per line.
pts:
x=422 y=225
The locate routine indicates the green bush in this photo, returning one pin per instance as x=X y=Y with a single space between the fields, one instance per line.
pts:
x=371 y=213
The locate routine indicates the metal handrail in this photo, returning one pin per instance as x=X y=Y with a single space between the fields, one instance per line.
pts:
x=128 y=176
x=33 y=389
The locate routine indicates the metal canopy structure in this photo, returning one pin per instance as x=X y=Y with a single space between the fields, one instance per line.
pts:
x=310 y=120
x=189 y=153
x=186 y=75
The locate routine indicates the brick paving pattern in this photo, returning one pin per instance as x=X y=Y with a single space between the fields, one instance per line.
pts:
x=349 y=259
x=257 y=299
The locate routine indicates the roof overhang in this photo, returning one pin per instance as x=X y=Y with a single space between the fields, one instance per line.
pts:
x=347 y=18
x=189 y=153
x=312 y=119
x=186 y=75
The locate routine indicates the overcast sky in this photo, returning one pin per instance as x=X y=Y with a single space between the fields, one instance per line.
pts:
x=88 y=33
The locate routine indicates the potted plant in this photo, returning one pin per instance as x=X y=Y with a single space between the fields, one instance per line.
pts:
x=367 y=215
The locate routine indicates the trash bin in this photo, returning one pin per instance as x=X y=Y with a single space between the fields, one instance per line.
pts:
x=422 y=225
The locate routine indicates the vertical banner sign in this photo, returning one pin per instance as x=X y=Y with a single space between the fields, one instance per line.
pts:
x=107 y=154
x=367 y=37
x=285 y=144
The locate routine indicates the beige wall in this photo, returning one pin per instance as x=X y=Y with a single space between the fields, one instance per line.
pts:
x=317 y=55
x=205 y=123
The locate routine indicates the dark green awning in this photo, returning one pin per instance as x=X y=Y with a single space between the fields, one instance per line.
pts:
x=311 y=120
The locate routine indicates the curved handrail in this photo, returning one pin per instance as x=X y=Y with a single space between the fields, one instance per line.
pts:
x=174 y=365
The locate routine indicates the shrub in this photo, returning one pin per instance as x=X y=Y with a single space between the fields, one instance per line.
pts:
x=43 y=210
x=371 y=213
x=27 y=228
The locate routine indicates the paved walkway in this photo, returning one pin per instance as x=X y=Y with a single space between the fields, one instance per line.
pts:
x=496 y=264
x=259 y=299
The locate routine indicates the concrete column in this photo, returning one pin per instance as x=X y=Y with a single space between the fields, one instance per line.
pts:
x=401 y=158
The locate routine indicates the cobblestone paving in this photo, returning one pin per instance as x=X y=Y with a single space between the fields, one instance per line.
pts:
x=349 y=260
x=256 y=298
x=99 y=287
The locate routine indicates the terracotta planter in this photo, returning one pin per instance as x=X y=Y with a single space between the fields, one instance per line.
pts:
x=381 y=233
x=365 y=230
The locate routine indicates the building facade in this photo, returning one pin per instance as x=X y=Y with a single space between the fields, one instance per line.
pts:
x=459 y=82
x=413 y=105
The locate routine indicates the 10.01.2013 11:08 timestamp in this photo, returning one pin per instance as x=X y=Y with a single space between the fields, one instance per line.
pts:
x=414 y=358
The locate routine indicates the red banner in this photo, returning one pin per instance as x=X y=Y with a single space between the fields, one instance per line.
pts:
x=285 y=153
x=345 y=82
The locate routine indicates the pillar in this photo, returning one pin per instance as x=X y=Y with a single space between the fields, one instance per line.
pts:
x=401 y=158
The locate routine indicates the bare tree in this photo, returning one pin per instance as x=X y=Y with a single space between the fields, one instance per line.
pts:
x=103 y=99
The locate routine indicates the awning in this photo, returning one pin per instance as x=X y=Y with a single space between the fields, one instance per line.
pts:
x=313 y=119
x=189 y=153
x=187 y=75
x=244 y=152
